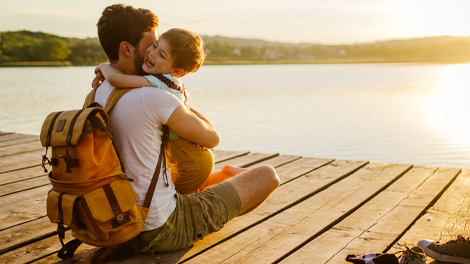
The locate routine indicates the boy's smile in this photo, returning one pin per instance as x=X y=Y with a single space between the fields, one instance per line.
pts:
x=158 y=58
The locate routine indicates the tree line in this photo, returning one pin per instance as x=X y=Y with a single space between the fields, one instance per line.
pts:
x=429 y=49
x=27 y=46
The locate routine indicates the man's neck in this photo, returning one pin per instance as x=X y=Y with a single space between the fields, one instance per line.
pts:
x=126 y=67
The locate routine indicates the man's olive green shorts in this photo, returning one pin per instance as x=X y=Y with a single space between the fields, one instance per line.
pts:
x=196 y=215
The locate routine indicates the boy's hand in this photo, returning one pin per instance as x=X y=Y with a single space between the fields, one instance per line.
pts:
x=99 y=78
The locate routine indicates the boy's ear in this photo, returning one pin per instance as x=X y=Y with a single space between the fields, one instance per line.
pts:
x=177 y=72
x=126 y=49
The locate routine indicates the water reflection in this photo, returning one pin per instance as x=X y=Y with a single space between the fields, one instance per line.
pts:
x=399 y=113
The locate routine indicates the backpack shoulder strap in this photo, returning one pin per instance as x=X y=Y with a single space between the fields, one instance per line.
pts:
x=115 y=95
x=90 y=98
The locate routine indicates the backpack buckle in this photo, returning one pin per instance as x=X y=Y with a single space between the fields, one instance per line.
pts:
x=68 y=162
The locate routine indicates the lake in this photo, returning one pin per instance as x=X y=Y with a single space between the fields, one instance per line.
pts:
x=394 y=113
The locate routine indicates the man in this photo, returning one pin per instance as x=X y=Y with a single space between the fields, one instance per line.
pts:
x=137 y=120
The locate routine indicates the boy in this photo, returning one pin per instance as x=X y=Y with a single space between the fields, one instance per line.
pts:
x=176 y=53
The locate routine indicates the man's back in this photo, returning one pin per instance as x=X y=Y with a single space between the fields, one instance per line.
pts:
x=136 y=122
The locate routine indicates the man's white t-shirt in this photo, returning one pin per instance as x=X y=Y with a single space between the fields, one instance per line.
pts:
x=136 y=122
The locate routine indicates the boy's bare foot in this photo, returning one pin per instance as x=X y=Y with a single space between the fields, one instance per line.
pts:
x=226 y=173
x=231 y=171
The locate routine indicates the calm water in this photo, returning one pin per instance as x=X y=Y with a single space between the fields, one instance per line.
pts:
x=395 y=113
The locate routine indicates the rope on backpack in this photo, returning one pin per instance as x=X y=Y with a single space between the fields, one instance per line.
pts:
x=48 y=142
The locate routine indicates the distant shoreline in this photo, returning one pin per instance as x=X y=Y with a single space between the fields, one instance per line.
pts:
x=36 y=64
x=240 y=62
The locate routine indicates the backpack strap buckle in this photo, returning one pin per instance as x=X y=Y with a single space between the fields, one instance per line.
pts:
x=69 y=162
x=121 y=218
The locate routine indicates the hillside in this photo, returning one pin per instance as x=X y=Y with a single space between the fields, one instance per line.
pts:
x=23 y=47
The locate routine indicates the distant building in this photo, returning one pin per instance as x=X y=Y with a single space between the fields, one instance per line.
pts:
x=237 y=52
x=304 y=56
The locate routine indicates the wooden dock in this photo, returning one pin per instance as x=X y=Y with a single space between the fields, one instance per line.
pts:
x=324 y=210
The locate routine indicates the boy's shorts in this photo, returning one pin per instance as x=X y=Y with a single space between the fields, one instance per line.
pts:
x=196 y=215
x=190 y=164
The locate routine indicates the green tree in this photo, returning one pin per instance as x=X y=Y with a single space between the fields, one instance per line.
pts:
x=52 y=50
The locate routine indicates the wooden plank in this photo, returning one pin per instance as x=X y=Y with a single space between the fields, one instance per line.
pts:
x=22 y=160
x=245 y=160
x=12 y=136
x=52 y=258
x=23 y=207
x=285 y=196
x=21 y=148
x=223 y=155
x=277 y=161
x=446 y=219
x=456 y=200
x=300 y=167
x=271 y=239
x=381 y=220
x=21 y=174
x=22 y=234
x=25 y=185
x=33 y=251
x=18 y=139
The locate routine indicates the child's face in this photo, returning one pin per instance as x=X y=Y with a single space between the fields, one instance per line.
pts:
x=158 y=58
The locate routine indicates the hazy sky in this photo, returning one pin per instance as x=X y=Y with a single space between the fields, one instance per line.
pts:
x=312 y=21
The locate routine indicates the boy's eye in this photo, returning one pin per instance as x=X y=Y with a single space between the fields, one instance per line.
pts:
x=161 y=55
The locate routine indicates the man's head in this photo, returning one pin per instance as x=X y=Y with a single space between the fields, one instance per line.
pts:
x=125 y=33
x=187 y=49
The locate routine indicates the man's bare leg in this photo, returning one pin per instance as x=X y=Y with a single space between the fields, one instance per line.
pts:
x=254 y=186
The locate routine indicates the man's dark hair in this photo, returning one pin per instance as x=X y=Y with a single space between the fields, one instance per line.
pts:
x=123 y=23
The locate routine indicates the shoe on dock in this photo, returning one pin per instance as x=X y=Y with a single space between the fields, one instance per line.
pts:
x=414 y=255
x=457 y=250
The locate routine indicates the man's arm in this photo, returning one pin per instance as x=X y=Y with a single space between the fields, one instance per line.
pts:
x=194 y=127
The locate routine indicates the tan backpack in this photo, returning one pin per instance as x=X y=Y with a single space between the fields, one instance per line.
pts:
x=90 y=193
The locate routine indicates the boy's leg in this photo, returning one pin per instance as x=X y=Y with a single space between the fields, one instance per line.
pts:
x=226 y=173
x=254 y=186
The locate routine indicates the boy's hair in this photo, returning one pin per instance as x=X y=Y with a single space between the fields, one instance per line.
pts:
x=123 y=23
x=187 y=49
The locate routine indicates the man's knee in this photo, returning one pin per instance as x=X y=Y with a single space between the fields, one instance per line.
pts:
x=271 y=178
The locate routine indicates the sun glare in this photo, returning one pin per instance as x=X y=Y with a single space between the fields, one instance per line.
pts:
x=449 y=108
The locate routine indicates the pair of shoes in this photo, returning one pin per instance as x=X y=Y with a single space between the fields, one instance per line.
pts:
x=457 y=250
x=415 y=255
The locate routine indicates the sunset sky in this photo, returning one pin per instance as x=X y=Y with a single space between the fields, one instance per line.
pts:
x=310 y=21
